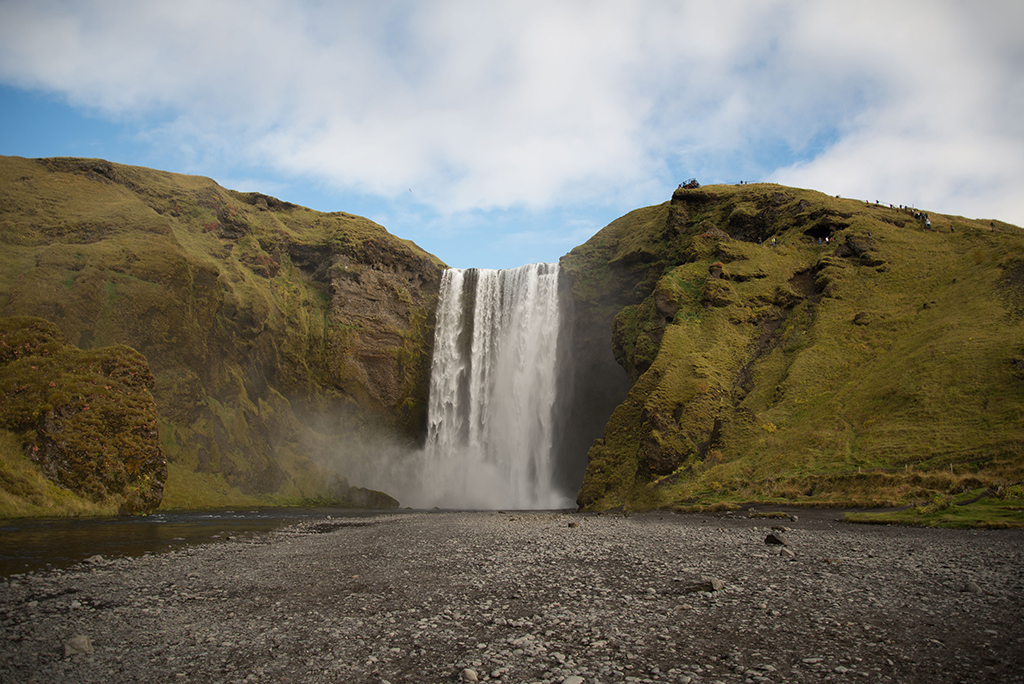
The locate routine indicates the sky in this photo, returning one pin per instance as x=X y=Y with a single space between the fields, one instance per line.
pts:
x=495 y=134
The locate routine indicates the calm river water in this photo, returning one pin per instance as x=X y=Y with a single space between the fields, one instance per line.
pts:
x=33 y=543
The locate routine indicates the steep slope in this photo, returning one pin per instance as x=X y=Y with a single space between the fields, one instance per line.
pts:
x=786 y=345
x=277 y=335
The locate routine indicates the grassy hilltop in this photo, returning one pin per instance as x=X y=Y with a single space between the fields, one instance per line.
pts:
x=273 y=332
x=787 y=346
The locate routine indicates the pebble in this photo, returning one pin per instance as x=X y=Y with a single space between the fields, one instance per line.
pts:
x=524 y=597
x=80 y=643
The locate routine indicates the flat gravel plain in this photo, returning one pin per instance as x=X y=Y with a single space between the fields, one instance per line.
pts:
x=534 y=597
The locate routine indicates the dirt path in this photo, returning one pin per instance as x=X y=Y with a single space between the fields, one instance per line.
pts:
x=534 y=597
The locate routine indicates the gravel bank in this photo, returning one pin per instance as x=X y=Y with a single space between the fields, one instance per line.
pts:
x=534 y=597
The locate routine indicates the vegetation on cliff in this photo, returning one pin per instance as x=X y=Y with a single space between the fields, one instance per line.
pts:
x=784 y=345
x=274 y=333
x=84 y=419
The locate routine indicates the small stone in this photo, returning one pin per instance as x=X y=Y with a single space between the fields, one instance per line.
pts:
x=95 y=559
x=705 y=584
x=80 y=643
x=971 y=588
x=788 y=553
x=573 y=679
x=469 y=675
x=776 y=538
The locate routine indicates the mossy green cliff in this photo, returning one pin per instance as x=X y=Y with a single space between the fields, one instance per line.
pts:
x=784 y=345
x=738 y=343
x=87 y=418
x=274 y=333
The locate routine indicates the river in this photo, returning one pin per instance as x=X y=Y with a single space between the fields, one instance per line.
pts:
x=28 y=544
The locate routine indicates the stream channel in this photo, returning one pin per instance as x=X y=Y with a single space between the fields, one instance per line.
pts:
x=29 y=544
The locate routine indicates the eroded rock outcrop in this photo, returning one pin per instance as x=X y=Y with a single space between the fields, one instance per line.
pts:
x=86 y=417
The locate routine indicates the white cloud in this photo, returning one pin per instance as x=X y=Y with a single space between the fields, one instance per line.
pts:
x=526 y=104
x=945 y=127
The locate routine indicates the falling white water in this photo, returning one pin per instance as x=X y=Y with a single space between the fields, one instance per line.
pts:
x=492 y=391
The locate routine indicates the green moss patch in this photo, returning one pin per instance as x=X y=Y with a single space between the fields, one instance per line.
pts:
x=981 y=508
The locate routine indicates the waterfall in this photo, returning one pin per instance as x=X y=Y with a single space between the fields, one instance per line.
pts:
x=492 y=391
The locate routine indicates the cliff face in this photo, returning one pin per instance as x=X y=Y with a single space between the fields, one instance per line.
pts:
x=274 y=332
x=781 y=344
x=614 y=270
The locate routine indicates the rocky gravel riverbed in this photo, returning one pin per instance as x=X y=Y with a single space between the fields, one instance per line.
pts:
x=534 y=597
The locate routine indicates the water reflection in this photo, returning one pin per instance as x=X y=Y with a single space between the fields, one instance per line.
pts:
x=35 y=543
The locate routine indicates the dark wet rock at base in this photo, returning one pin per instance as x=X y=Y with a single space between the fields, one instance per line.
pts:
x=368 y=498
x=431 y=597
